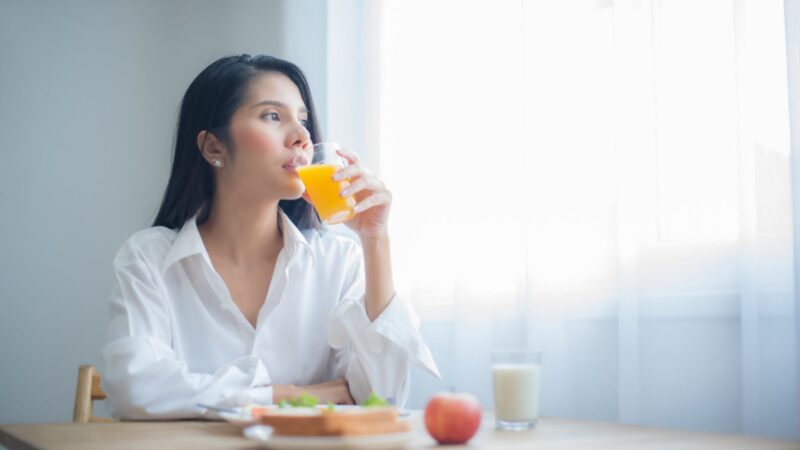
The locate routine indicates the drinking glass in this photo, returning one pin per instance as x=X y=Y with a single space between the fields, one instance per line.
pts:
x=323 y=190
x=515 y=375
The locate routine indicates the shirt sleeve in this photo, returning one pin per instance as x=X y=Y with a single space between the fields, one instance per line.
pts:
x=375 y=356
x=143 y=376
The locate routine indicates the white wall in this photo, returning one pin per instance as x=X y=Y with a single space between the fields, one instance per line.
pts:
x=352 y=52
x=89 y=94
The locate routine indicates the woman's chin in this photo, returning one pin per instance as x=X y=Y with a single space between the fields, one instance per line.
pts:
x=294 y=192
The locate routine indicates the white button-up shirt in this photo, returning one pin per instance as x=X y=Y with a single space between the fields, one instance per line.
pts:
x=176 y=337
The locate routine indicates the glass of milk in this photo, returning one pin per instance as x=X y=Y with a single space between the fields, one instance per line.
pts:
x=515 y=374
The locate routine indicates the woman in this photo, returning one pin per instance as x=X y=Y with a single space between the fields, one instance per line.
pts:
x=237 y=295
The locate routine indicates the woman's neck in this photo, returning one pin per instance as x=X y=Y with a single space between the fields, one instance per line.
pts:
x=242 y=233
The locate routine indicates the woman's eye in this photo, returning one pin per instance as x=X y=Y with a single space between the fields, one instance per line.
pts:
x=304 y=123
x=271 y=116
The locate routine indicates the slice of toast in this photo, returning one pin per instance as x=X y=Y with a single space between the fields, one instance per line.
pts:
x=349 y=422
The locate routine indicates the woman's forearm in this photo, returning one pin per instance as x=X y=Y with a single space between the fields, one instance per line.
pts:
x=334 y=391
x=378 y=273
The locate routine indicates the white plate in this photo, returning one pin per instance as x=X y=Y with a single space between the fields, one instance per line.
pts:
x=262 y=434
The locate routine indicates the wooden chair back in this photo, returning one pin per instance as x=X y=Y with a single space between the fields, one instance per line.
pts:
x=87 y=391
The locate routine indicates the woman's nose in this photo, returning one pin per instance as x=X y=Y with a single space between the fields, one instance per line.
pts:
x=300 y=137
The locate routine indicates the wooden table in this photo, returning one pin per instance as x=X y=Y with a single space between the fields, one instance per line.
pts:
x=551 y=433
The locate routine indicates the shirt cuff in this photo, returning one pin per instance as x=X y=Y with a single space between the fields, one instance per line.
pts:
x=397 y=324
x=260 y=395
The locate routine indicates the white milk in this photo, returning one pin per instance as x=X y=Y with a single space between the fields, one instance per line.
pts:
x=516 y=391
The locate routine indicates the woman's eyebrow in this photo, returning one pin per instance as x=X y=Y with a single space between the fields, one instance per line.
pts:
x=277 y=104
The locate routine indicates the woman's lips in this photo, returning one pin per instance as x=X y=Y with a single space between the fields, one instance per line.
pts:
x=297 y=161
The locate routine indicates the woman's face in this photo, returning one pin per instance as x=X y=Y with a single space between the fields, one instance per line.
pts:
x=269 y=138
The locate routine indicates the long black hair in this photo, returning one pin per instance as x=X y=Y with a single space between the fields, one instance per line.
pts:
x=209 y=104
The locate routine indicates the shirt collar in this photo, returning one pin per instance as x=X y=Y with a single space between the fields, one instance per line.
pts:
x=189 y=243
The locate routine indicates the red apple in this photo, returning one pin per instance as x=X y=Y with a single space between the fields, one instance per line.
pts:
x=452 y=418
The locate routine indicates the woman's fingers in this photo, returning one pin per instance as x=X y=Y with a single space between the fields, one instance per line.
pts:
x=349 y=155
x=351 y=171
x=378 y=198
x=348 y=399
x=347 y=396
x=360 y=184
x=341 y=393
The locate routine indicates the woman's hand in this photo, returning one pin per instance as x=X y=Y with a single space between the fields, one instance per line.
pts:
x=336 y=392
x=373 y=200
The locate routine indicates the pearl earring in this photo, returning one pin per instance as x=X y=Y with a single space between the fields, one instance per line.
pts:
x=218 y=163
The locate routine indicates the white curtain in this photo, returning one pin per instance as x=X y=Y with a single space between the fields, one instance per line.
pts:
x=605 y=180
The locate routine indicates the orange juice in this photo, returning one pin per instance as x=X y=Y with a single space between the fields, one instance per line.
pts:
x=324 y=192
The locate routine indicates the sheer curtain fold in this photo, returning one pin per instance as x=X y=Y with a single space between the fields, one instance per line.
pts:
x=608 y=181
